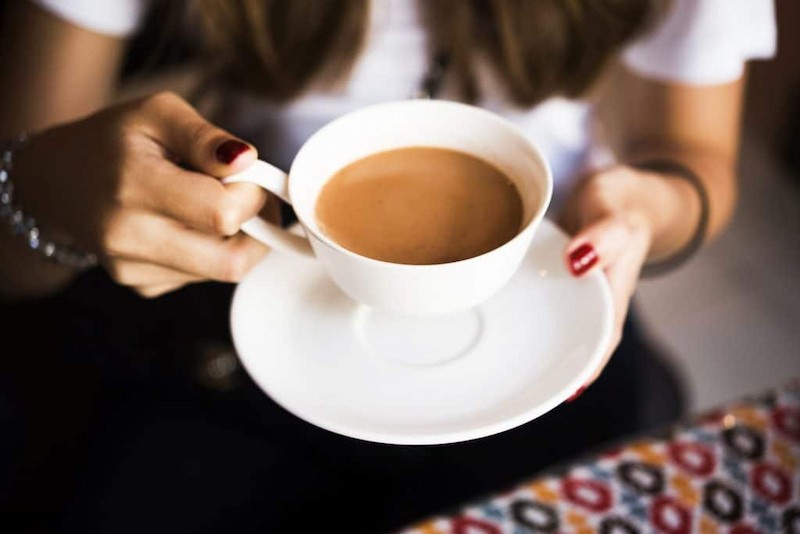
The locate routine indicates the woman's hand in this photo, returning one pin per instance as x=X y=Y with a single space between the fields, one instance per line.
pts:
x=614 y=216
x=139 y=184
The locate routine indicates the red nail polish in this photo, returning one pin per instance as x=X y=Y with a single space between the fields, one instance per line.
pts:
x=577 y=394
x=230 y=150
x=582 y=259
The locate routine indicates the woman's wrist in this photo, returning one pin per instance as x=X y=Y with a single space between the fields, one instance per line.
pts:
x=27 y=270
x=672 y=208
x=24 y=225
x=24 y=274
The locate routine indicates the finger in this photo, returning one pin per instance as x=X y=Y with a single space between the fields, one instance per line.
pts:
x=272 y=210
x=201 y=201
x=196 y=142
x=622 y=279
x=624 y=275
x=138 y=273
x=155 y=291
x=599 y=244
x=578 y=209
x=563 y=220
x=153 y=239
x=568 y=219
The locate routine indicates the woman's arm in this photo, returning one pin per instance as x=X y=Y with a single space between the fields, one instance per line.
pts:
x=696 y=126
x=622 y=216
x=54 y=72
x=137 y=183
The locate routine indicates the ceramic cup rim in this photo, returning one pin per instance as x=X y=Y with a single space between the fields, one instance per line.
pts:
x=306 y=152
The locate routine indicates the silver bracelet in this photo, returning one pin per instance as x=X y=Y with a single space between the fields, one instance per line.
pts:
x=23 y=225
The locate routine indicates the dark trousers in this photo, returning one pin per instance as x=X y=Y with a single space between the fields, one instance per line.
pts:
x=155 y=451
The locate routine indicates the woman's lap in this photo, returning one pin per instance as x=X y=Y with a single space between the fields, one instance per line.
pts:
x=188 y=458
x=163 y=451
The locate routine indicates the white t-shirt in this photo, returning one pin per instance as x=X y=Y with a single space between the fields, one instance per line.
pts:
x=700 y=42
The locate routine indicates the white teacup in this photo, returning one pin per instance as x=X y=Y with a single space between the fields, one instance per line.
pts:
x=407 y=289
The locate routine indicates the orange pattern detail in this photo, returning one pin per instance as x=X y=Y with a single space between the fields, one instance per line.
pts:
x=687 y=493
x=543 y=492
x=749 y=416
x=783 y=452
x=707 y=526
x=648 y=452
x=428 y=528
x=574 y=519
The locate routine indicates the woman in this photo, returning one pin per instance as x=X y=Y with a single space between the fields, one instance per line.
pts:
x=138 y=185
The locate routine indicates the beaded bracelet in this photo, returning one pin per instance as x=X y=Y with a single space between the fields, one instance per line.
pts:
x=25 y=226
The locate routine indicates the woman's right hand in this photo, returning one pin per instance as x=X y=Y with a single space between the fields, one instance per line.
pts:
x=139 y=185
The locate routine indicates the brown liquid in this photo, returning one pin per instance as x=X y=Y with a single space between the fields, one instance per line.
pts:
x=419 y=206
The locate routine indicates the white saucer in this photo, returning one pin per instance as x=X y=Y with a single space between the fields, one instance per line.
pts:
x=368 y=375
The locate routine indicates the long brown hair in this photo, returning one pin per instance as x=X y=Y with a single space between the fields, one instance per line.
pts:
x=276 y=48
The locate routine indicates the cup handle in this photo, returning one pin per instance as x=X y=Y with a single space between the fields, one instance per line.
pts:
x=276 y=182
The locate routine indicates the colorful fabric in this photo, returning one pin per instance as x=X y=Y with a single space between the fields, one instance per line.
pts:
x=734 y=470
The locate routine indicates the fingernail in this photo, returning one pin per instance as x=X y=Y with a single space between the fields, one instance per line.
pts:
x=577 y=394
x=582 y=259
x=230 y=150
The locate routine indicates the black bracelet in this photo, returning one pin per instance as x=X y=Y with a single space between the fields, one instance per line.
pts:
x=678 y=170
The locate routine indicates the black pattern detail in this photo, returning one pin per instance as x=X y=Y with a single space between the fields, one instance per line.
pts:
x=616 y=525
x=722 y=501
x=745 y=442
x=644 y=478
x=790 y=523
x=536 y=516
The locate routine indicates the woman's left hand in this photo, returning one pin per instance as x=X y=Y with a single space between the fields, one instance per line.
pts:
x=610 y=218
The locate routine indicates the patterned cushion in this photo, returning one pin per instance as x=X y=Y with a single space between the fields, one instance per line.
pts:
x=734 y=470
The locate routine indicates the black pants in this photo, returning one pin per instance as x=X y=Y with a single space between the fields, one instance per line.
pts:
x=159 y=452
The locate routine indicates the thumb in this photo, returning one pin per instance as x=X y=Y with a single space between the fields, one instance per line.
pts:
x=197 y=143
x=597 y=245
